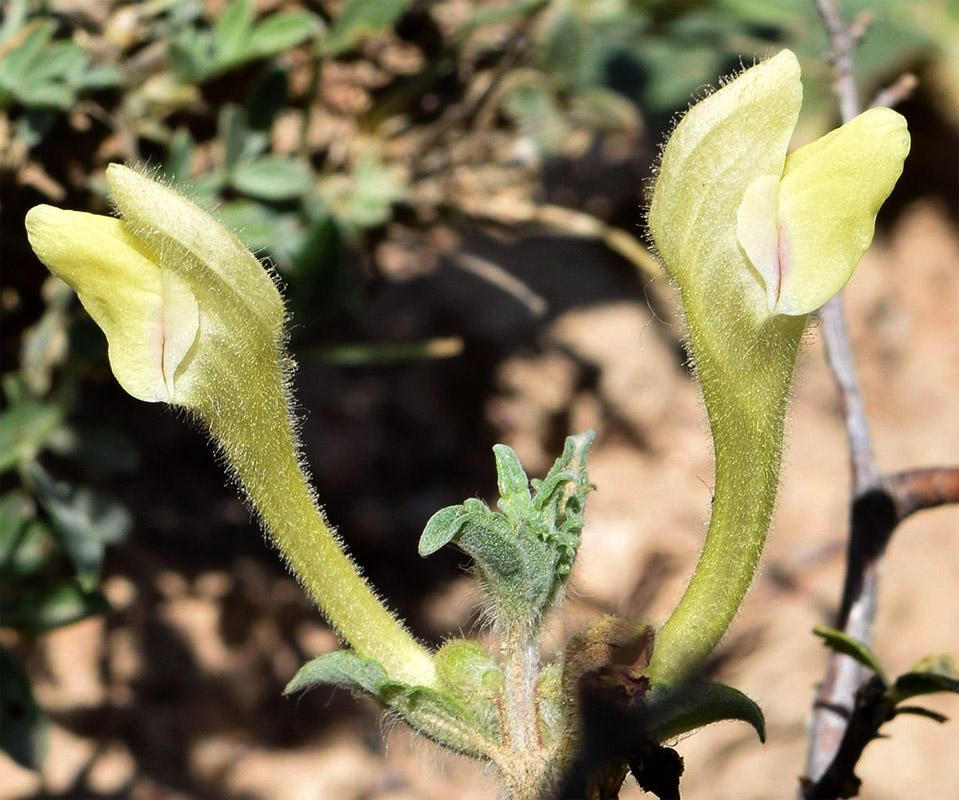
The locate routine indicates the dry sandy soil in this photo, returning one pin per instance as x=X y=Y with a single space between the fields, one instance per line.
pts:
x=177 y=693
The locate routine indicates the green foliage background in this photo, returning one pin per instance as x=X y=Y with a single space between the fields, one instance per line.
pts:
x=349 y=142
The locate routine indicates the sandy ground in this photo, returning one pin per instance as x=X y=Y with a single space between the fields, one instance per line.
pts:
x=176 y=694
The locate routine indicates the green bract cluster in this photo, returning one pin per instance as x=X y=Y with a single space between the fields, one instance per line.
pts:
x=525 y=551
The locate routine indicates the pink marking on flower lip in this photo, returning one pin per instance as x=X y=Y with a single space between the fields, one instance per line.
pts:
x=160 y=345
x=781 y=260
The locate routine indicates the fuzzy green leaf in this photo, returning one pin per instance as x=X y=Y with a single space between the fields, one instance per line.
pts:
x=342 y=668
x=524 y=554
x=463 y=662
x=436 y=715
x=513 y=484
x=675 y=711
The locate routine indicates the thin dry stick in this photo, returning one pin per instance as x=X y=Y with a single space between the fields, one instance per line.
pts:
x=879 y=503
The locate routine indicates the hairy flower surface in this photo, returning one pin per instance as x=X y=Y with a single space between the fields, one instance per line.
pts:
x=756 y=240
x=192 y=318
x=730 y=205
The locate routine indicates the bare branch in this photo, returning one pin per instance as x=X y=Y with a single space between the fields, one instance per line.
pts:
x=843 y=41
x=922 y=488
x=499 y=277
x=879 y=503
x=895 y=93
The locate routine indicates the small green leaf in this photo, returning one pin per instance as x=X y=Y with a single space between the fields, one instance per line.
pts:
x=523 y=555
x=62 y=61
x=40 y=610
x=26 y=543
x=34 y=548
x=191 y=56
x=231 y=34
x=364 y=197
x=23 y=725
x=178 y=163
x=16 y=65
x=87 y=521
x=360 y=19
x=49 y=95
x=441 y=529
x=273 y=178
x=533 y=106
x=674 y=711
x=342 y=668
x=919 y=711
x=25 y=430
x=513 y=484
x=33 y=126
x=233 y=130
x=266 y=99
x=843 y=643
x=102 y=76
x=928 y=676
x=281 y=31
x=256 y=224
x=436 y=715
x=466 y=670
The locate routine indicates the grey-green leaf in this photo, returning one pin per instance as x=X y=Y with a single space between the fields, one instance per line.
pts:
x=86 y=521
x=282 y=31
x=929 y=676
x=15 y=66
x=359 y=19
x=273 y=178
x=231 y=33
x=26 y=544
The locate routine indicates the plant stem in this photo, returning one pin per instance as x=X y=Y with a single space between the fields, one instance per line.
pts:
x=744 y=369
x=526 y=765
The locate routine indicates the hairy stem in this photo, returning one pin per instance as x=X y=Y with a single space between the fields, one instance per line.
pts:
x=267 y=466
x=745 y=369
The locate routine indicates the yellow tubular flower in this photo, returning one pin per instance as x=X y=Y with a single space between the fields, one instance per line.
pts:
x=756 y=240
x=193 y=319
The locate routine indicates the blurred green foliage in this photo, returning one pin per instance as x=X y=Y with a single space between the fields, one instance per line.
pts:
x=53 y=532
x=318 y=130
